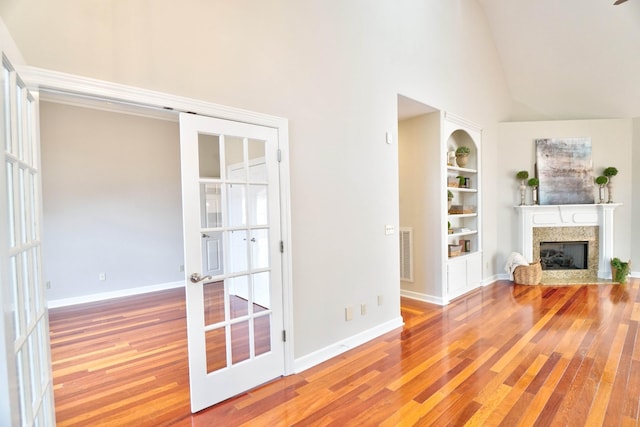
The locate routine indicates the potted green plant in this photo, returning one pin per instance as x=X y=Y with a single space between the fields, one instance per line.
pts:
x=462 y=155
x=609 y=173
x=602 y=182
x=533 y=183
x=620 y=270
x=522 y=176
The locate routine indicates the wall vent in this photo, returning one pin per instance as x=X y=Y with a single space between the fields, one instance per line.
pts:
x=406 y=254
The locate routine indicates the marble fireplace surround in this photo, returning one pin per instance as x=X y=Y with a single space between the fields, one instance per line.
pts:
x=592 y=223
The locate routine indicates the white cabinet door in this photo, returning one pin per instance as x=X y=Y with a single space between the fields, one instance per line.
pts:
x=463 y=274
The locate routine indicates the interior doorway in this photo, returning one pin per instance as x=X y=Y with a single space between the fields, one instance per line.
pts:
x=273 y=122
x=418 y=140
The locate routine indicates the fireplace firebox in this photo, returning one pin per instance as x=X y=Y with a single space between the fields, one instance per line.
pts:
x=564 y=255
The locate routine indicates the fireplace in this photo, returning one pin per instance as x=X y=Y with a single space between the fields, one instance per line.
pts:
x=590 y=225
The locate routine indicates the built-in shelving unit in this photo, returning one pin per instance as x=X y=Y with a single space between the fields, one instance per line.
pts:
x=463 y=225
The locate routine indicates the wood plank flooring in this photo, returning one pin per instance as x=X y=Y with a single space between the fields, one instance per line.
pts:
x=506 y=355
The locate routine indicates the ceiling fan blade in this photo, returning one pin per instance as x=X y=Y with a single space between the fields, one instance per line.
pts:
x=617 y=2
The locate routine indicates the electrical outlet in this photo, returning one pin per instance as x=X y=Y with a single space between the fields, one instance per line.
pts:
x=48 y=284
x=363 y=309
x=102 y=277
x=348 y=313
x=389 y=229
x=379 y=299
x=181 y=268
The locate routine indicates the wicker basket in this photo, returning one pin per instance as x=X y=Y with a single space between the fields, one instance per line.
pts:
x=528 y=274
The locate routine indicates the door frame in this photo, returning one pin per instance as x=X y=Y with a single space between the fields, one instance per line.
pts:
x=82 y=91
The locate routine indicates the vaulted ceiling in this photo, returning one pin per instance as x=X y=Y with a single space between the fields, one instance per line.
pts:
x=569 y=59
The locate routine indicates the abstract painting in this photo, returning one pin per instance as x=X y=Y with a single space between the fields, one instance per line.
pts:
x=565 y=171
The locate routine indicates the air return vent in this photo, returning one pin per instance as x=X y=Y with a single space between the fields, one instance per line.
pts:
x=406 y=254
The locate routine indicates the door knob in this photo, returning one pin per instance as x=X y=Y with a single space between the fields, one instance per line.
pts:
x=195 y=278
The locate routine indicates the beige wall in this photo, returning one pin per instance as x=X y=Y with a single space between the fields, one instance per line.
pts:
x=334 y=69
x=419 y=162
x=111 y=201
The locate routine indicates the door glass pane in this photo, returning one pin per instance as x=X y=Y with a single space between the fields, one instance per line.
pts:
x=239 y=342
x=31 y=133
x=257 y=166
x=22 y=386
x=22 y=212
x=213 y=294
x=216 y=344
x=238 y=251
x=238 y=296
x=260 y=248
x=258 y=205
x=234 y=158
x=261 y=292
x=15 y=297
x=212 y=259
x=211 y=205
x=34 y=367
x=19 y=118
x=262 y=332
x=26 y=287
x=6 y=89
x=33 y=191
x=11 y=203
x=37 y=295
x=236 y=202
x=209 y=155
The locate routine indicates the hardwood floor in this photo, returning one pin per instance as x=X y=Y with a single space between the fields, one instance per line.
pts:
x=507 y=355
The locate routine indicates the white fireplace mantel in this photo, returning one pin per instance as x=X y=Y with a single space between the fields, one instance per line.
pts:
x=600 y=215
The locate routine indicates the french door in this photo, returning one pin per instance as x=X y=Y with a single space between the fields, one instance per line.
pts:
x=232 y=239
x=26 y=393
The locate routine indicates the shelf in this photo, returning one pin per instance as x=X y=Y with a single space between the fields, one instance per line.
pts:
x=459 y=169
x=462 y=189
x=469 y=215
x=464 y=233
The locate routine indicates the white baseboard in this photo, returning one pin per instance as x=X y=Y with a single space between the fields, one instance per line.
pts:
x=422 y=297
x=333 y=350
x=64 y=302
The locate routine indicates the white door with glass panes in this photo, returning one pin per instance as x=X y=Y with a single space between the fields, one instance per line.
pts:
x=26 y=384
x=231 y=214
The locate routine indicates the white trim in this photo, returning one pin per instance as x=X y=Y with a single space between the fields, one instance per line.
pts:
x=102 y=296
x=85 y=87
x=310 y=360
x=418 y=296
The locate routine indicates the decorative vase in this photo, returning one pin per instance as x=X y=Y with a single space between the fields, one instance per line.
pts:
x=534 y=195
x=601 y=193
x=449 y=201
x=523 y=192
x=462 y=159
x=610 y=191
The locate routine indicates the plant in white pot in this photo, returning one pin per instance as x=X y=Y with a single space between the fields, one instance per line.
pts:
x=462 y=155
x=522 y=176
x=609 y=173
x=449 y=199
x=602 y=182
x=533 y=183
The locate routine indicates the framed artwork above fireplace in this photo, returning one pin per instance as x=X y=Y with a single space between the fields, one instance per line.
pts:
x=565 y=171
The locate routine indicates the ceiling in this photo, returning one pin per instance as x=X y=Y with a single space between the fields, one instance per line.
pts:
x=569 y=59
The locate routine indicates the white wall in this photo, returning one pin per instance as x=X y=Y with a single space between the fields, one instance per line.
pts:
x=611 y=142
x=111 y=201
x=334 y=69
